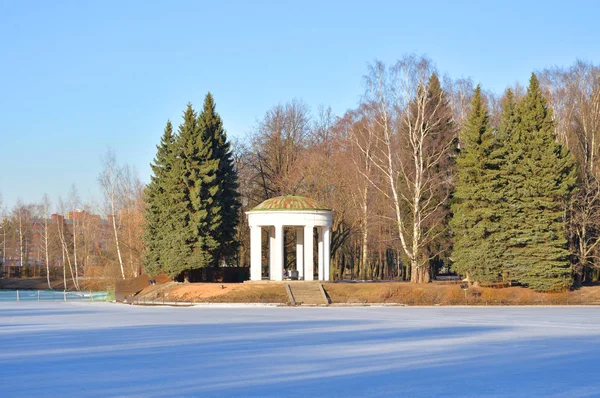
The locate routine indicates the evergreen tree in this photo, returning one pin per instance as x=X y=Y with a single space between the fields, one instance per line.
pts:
x=192 y=198
x=442 y=141
x=203 y=190
x=511 y=210
x=475 y=224
x=540 y=174
x=180 y=235
x=156 y=212
x=509 y=118
x=224 y=214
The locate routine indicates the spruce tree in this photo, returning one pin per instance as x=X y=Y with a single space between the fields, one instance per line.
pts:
x=442 y=141
x=157 y=210
x=540 y=174
x=509 y=118
x=475 y=224
x=203 y=189
x=192 y=198
x=224 y=213
x=180 y=234
x=509 y=208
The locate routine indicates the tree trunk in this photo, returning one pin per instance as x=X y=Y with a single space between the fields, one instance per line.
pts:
x=65 y=248
x=64 y=269
x=46 y=251
x=115 y=230
x=20 y=243
x=75 y=252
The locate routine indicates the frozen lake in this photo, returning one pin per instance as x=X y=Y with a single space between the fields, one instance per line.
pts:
x=103 y=349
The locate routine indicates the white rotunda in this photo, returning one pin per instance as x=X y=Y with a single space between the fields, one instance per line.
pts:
x=301 y=214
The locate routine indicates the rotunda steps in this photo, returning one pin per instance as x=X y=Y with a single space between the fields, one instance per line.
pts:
x=307 y=293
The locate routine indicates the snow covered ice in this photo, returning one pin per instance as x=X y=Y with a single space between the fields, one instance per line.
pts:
x=102 y=349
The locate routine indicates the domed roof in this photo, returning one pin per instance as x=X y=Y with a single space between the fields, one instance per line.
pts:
x=289 y=202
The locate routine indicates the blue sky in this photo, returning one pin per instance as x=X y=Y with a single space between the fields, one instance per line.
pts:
x=78 y=77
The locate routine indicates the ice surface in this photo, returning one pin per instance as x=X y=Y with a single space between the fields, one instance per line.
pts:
x=104 y=349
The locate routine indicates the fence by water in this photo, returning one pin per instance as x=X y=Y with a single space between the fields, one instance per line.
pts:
x=53 y=295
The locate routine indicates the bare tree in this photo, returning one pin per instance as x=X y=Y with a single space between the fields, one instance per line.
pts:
x=23 y=221
x=132 y=210
x=321 y=173
x=60 y=225
x=21 y=225
x=360 y=131
x=277 y=144
x=460 y=92
x=63 y=238
x=585 y=226
x=91 y=237
x=246 y=178
x=415 y=135
x=74 y=206
x=110 y=180
x=575 y=97
x=44 y=215
x=4 y=228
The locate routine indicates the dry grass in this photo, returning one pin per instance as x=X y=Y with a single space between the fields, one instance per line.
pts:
x=434 y=294
x=216 y=293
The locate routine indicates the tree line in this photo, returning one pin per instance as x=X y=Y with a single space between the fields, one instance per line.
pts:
x=71 y=238
x=427 y=175
x=430 y=175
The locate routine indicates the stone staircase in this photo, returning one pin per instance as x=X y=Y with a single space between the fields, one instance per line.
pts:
x=307 y=293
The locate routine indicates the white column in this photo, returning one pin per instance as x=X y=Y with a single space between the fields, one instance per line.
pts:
x=255 y=253
x=300 y=252
x=326 y=251
x=320 y=252
x=308 y=253
x=276 y=252
x=272 y=255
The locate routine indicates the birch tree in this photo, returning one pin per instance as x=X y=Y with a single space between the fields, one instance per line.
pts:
x=415 y=137
x=19 y=213
x=132 y=209
x=74 y=205
x=360 y=132
x=59 y=232
x=64 y=243
x=110 y=180
x=44 y=215
x=23 y=221
x=460 y=92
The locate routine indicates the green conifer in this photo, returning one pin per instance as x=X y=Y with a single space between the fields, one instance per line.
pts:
x=443 y=140
x=192 y=198
x=181 y=236
x=156 y=212
x=509 y=208
x=203 y=189
x=477 y=197
x=224 y=213
x=540 y=175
